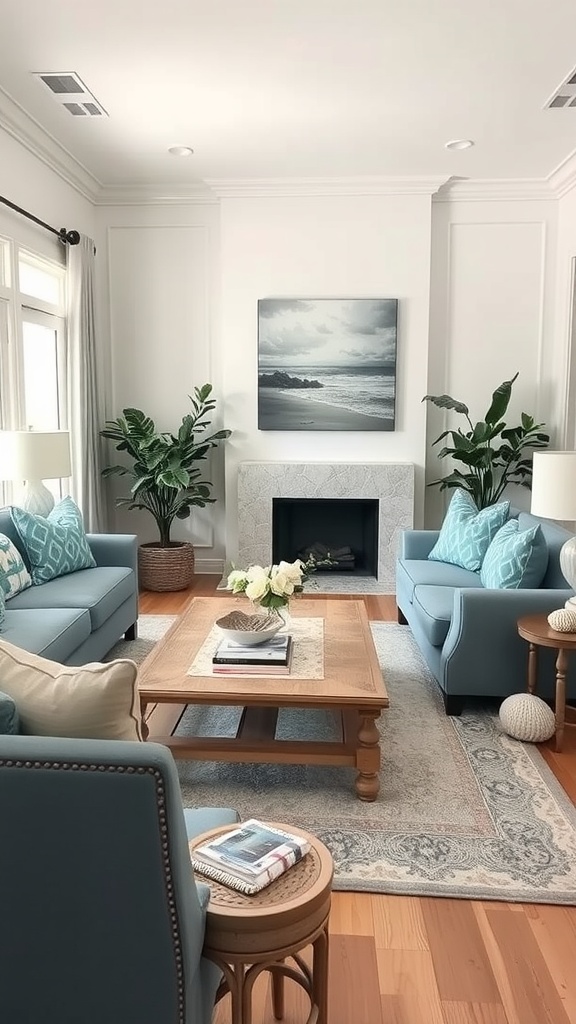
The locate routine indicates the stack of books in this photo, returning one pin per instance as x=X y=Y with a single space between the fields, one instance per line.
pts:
x=271 y=658
x=250 y=856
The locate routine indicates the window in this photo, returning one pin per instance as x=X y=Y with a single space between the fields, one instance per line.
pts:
x=40 y=279
x=43 y=371
x=32 y=345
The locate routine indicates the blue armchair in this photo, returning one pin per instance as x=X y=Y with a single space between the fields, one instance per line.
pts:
x=100 y=917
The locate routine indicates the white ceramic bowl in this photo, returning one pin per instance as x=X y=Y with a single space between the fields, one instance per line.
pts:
x=249 y=630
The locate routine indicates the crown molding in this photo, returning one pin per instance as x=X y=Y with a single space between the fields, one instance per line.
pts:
x=17 y=123
x=157 y=195
x=563 y=178
x=30 y=134
x=495 y=189
x=244 y=188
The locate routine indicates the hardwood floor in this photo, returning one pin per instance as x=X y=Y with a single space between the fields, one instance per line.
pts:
x=408 y=960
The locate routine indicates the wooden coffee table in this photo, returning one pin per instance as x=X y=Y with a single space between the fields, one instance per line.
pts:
x=352 y=686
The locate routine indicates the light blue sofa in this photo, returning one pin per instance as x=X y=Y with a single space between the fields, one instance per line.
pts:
x=78 y=617
x=468 y=634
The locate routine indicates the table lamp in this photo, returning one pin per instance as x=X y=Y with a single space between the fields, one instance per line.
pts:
x=32 y=456
x=554 y=497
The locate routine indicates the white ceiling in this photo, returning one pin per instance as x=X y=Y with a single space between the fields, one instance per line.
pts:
x=298 y=88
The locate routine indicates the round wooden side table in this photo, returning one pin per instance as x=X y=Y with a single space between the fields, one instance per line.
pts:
x=246 y=935
x=537 y=631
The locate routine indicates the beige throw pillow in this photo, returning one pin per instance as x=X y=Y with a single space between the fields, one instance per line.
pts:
x=93 y=701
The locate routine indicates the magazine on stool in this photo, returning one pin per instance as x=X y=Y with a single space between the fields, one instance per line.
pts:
x=250 y=856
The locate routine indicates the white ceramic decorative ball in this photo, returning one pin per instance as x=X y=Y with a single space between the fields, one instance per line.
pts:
x=524 y=716
x=563 y=620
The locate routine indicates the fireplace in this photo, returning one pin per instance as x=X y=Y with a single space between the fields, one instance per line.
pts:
x=346 y=527
x=388 y=485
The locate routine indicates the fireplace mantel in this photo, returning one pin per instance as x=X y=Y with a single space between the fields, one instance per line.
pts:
x=391 y=483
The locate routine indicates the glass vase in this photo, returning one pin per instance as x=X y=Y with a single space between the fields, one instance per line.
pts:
x=281 y=614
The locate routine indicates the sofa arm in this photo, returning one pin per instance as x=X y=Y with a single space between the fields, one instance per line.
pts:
x=417 y=543
x=483 y=646
x=479 y=612
x=114 y=549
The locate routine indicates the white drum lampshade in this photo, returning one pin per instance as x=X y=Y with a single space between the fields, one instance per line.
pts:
x=554 y=497
x=32 y=456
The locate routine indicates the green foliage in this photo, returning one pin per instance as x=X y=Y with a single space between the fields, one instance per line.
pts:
x=166 y=479
x=493 y=455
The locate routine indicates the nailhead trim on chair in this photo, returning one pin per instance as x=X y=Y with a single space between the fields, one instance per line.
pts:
x=161 y=804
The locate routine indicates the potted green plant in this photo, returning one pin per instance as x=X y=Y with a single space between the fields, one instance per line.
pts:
x=166 y=483
x=492 y=454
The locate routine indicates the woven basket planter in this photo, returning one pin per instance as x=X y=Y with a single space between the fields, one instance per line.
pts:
x=161 y=568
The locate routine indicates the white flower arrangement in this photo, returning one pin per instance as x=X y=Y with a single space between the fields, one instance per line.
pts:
x=272 y=586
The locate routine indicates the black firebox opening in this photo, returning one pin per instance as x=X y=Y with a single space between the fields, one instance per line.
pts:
x=347 y=527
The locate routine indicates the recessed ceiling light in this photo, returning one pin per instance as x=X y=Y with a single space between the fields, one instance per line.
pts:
x=180 y=151
x=459 y=144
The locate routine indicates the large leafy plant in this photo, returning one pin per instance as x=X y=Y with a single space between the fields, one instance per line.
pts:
x=492 y=454
x=164 y=470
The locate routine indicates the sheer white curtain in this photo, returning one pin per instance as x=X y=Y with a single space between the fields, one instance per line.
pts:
x=85 y=400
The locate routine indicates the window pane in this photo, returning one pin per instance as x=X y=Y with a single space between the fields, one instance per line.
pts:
x=4 y=263
x=40 y=377
x=40 y=282
x=41 y=384
x=5 y=494
x=4 y=366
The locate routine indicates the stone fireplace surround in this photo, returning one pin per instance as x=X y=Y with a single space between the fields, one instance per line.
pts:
x=391 y=483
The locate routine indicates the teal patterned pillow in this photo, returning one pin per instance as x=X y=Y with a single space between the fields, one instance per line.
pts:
x=467 y=532
x=516 y=559
x=14 y=575
x=9 y=720
x=2 y=606
x=55 y=545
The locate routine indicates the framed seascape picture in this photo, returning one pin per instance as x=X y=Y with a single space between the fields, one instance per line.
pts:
x=327 y=364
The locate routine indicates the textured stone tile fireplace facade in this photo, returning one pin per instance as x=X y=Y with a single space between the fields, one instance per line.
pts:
x=390 y=483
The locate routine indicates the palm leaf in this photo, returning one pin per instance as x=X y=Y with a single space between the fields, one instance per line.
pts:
x=446 y=402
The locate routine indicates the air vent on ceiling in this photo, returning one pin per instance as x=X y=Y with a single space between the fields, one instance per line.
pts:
x=68 y=89
x=565 y=94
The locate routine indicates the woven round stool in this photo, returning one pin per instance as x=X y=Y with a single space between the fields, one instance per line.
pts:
x=246 y=935
x=524 y=716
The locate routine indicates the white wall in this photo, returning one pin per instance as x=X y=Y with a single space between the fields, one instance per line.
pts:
x=476 y=288
x=492 y=313
x=566 y=314
x=31 y=184
x=338 y=246
x=159 y=299
x=484 y=288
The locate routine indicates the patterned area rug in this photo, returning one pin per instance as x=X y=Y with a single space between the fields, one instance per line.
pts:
x=463 y=809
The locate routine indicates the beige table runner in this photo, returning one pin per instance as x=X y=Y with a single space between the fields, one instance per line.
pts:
x=307 y=656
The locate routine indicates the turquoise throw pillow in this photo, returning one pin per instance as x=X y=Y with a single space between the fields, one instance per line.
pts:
x=2 y=606
x=9 y=718
x=516 y=559
x=55 y=545
x=14 y=575
x=466 y=532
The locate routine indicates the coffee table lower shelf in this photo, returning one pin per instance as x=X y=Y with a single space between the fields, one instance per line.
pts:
x=255 y=742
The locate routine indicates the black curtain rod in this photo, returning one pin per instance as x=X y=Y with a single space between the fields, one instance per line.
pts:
x=72 y=237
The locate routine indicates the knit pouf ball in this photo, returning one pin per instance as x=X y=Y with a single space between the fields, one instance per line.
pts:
x=526 y=717
x=563 y=620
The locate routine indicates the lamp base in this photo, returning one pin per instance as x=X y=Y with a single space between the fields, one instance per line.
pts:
x=568 y=566
x=36 y=498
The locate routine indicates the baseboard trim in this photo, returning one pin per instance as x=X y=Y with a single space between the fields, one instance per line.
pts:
x=210 y=566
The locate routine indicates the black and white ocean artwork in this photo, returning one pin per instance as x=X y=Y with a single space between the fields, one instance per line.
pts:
x=327 y=364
